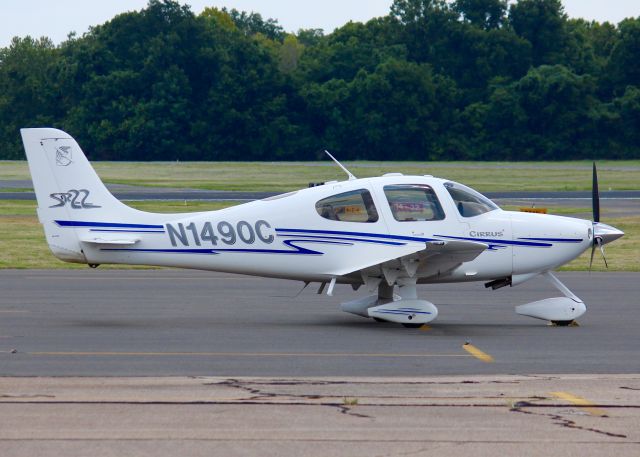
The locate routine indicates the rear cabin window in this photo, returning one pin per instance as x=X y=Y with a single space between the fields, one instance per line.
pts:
x=354 y=206
x=413 y=202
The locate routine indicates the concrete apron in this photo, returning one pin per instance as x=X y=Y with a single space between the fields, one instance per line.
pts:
x=482 y=415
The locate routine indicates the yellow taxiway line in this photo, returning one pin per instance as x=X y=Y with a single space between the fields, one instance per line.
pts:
x=477 y=353
x=581 y=402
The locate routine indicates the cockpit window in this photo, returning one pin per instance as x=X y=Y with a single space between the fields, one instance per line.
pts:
x=413 y=202
x=469 y=202
x=354 y=206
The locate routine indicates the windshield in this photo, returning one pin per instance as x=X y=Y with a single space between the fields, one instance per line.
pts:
x=469 y=202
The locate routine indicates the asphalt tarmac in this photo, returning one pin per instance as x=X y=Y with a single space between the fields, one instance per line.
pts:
x=173 y=322
x=14 y=190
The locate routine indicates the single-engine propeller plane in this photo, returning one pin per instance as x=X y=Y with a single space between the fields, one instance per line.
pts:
x=386 y=234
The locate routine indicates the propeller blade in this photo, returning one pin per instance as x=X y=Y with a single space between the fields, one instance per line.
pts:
x=593 y=249
x=595 y=195
x=603 y=256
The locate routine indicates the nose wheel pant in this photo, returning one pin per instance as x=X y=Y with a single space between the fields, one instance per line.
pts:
x=558 y=310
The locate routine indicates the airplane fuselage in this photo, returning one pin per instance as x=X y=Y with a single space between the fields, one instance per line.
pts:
x=287 y=236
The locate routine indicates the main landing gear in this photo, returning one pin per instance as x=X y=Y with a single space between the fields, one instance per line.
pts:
x=402 y=307
x=561 y=311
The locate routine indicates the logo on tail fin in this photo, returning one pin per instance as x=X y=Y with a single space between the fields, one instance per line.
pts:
x=77 y=199
x=63 y=156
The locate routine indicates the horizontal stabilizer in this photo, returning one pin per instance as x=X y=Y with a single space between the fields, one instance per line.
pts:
x=110 y=240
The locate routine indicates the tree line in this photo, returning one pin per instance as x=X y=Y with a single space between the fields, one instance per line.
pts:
x=432 y=80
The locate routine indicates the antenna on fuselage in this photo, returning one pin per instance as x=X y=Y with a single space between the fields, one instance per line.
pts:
x=351 y=176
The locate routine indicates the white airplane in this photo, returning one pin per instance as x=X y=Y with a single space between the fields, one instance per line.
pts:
x=387 y=234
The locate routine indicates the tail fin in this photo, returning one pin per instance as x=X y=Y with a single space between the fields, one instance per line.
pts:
x=68 y=190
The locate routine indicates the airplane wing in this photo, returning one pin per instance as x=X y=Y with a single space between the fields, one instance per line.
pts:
x=436 y=257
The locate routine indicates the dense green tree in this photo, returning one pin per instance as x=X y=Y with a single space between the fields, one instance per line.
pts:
x=136 y=93
x=289 y=54
x=428 y=28
x=601 y=37
x=29 y=93
x=252 y=24
x=623 y=129
x=434 y=79
x=549 y=113
x=541 y=23
x=623 y=68
x=485 y=14
x=395 y=111
x=472 y=51
x=310 y=37
x=351 y=48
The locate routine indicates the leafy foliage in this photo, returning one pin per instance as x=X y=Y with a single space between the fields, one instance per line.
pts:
x=434 y=79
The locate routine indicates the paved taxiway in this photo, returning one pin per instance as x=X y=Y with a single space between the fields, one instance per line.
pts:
x=14 y=190
x=164 y=322
x=255 y=371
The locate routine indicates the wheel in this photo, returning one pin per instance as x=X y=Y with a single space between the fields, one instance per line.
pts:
x=412 y=325
x=562 y=323
x=377 y=319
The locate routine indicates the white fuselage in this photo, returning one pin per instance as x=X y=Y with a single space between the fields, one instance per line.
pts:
x=287 y=237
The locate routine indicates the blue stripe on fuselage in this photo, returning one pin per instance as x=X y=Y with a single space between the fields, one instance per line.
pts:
x=341 y=235
x=359 y=234
x=106 y=225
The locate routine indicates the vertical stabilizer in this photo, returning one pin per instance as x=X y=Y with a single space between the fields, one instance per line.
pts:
x=68 y=190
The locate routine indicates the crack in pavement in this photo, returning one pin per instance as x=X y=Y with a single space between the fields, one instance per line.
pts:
x=348 y=410
x=562 y=421
x=421 y=451
x=258 y=394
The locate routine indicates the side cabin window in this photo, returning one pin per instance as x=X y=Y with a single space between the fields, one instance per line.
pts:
x=413 y=202
x=469 y=202
x=353 y=206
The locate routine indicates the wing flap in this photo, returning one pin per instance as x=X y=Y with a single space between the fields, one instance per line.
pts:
x=433 y=256
x=465 y=251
